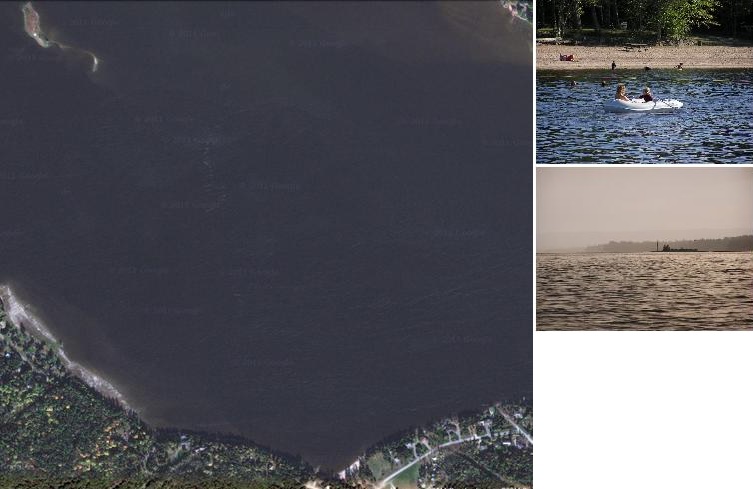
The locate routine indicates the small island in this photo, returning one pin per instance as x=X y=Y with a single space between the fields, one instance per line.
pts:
x=33 y=28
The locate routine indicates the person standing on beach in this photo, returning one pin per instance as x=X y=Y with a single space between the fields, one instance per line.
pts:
x=614 y=65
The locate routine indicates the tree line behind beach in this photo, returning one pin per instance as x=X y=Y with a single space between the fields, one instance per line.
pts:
x=673 y=20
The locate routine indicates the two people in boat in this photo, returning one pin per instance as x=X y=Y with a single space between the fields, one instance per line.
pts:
x=622 y=94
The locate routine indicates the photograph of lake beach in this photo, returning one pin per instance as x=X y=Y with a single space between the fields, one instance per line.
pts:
x=632 y=83
x=644 y=248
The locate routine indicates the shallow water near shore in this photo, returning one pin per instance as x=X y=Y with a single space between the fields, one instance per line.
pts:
x=714 y=126
x=644 y=291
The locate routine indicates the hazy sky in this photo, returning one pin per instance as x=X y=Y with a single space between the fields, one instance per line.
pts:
x=577 y=207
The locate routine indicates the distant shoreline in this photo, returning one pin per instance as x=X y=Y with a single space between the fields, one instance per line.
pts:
x=662 y=57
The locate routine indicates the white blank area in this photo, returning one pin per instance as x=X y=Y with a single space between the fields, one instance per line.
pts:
x=643 y=410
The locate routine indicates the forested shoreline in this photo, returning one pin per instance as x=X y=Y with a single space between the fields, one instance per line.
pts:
x=662 y=20
x=735 y=243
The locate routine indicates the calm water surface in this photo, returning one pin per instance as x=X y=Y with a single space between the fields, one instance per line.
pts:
x=610 y=291
x=714 y=126
x=280 y=220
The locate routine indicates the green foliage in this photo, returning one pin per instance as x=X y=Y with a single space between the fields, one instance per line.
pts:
x=7 y=482
x=59 y=432
x=672 y=19
x=677 y=17
x=54 y=425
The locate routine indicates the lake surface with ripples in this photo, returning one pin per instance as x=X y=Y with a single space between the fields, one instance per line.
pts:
x=644 y=291
x=714 y=126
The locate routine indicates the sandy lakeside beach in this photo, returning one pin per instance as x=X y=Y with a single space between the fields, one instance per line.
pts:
x=595 y=57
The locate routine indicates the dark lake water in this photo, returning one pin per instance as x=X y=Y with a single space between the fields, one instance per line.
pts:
x=309 y=224
x=714 y=126
x=644 y=291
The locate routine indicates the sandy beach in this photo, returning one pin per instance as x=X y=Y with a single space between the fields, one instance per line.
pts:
x=595 y=57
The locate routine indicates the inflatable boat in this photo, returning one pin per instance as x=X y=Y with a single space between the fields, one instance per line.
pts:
x=638 y=105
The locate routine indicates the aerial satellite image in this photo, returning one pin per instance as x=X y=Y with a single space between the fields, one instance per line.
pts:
x=266 y=244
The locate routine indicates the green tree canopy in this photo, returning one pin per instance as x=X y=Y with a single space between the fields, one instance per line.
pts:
x=676 y=17
x=668 y=19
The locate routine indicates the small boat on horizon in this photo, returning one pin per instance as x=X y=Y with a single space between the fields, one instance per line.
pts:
x=668 y=249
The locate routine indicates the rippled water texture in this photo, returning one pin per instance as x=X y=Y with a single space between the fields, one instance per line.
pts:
x=714 y=126
x=644 y=291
